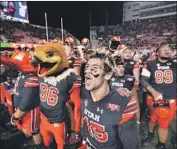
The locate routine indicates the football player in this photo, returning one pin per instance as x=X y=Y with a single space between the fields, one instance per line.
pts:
x=75 y=113
x=159 y=79
x=56 y=81
x=131 y=66
x=26 y=99
x=105 y=110
x=120 y=80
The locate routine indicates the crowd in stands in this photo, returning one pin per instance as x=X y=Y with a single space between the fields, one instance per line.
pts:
x=27 y=33
x=142 y=35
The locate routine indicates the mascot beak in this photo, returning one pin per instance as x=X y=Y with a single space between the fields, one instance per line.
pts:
x=35 y=61
x=39 y=57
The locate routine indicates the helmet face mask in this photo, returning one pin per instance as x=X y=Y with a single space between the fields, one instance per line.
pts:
x=114 y=44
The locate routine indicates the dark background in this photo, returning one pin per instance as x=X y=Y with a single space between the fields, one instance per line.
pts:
x=75 y=14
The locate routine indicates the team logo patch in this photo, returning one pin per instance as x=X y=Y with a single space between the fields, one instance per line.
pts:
x=113 y=107
x=99 y=110
x=123 y=92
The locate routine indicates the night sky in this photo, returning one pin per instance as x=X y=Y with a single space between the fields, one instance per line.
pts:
x=75 y=15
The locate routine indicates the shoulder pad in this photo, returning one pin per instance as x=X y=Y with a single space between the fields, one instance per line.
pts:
x=31 y=82
x=64 y=75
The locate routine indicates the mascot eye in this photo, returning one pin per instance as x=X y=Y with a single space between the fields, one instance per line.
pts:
x=50 y=54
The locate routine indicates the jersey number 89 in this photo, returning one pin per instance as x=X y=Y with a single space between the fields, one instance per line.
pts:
x=48 y=94
x=164 y=76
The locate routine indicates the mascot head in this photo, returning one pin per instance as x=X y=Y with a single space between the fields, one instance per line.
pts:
x=21 y=56
x=50 y=58
x=19 y=60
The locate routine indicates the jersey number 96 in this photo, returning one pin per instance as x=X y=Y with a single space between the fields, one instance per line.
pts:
x=48 y=94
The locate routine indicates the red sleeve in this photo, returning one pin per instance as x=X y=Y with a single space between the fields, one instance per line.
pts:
x=130 y=110
x=31 y=82
x=75 y=98
x=131 y=106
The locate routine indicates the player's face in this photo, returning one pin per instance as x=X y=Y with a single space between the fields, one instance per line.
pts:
x=94 y=74
x=127 y=54
x=164 y=52
x=120 y=70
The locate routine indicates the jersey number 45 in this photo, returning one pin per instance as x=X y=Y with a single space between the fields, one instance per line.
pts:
x=96 y=131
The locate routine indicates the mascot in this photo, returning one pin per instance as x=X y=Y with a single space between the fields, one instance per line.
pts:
x=56 y=80
x=26 y=114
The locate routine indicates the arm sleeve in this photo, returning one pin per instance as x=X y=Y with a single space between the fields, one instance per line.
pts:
x=129 y=111
x=129 y=135
x=30 y=96
x=71 y=80
x=145 y=81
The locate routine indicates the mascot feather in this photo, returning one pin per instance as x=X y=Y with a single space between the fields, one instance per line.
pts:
x=56 y=80
x=26 y=113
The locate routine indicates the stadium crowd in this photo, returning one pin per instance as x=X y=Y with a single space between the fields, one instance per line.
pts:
x=19 y=32
x=142 y=35
x=137 y=61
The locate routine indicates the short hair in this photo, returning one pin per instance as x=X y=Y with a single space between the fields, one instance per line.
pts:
x=129 y=48
x=160 y=46
x=108 y=61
